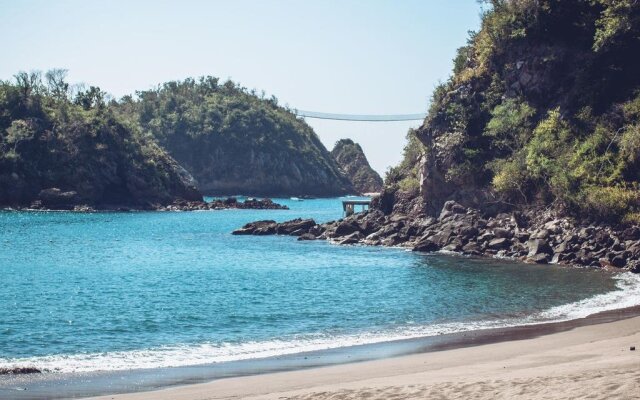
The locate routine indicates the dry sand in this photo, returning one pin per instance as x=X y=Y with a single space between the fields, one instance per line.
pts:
x=588 y=362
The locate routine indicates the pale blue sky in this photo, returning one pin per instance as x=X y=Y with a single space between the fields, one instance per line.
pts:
x=351 y=57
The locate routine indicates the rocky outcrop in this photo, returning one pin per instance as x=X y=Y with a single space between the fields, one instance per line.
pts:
x=354 y=164
x=535 y=237
x=296 y=227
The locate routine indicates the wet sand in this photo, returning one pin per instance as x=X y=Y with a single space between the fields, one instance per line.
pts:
x=585 y=358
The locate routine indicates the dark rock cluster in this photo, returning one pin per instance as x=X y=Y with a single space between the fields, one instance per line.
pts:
x=296 y=227
x=534 y=237
x=20 y=371
x=55 y=199
x=228 y=203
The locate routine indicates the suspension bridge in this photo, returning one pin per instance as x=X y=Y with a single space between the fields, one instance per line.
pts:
x=357 y=117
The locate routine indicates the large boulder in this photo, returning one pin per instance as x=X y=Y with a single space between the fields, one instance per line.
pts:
x=346 y=227
x=499 y=243
x=353 y=238
x=450 y=208
x=425 y=244
x=538 y=246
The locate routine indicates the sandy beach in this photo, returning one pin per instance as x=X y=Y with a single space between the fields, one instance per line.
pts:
x=594 y=361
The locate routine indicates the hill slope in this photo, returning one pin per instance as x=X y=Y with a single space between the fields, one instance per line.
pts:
x=233 y=141
x=60 y=152
x=542 y=109
x=353 y=162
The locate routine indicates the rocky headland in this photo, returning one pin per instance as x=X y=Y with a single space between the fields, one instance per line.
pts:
x=353 y=162
x=537 y=236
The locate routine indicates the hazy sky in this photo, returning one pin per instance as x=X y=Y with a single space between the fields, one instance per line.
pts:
x=349 y=57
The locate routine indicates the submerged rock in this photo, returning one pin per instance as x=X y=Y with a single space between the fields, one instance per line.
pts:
x=307 y=236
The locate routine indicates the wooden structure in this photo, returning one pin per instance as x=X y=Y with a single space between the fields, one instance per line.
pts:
x=349 y=206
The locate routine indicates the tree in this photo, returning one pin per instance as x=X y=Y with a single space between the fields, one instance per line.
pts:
x=56 y=83
x=29 y=83
x=92 y=98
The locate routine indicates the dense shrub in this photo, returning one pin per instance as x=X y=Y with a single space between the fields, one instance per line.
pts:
x=611 y=203
x=406 y=175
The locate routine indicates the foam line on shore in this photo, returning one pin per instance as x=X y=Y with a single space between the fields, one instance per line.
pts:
x=626 y=295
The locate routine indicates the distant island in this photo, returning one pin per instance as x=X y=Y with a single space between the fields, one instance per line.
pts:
x=235 y=142
x=353 y=162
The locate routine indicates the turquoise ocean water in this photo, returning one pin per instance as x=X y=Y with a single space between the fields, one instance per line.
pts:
x=118 y=291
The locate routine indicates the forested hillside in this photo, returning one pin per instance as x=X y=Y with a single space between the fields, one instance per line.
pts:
x=234 y=141
x=61 y=148
x=542 y=110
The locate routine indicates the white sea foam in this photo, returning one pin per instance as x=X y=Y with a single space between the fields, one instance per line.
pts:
x=627 y=294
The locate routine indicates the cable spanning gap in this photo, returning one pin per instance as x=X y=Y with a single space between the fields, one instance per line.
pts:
x=355 y=117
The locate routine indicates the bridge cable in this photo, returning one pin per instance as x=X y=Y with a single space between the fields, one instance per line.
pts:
x=356 y=117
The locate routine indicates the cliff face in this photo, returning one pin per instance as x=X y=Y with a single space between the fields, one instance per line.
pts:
x=353 y=162
x=234 y=142
x=542 y=109
x=57 y=154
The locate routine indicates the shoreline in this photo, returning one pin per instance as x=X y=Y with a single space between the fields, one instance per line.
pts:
x=217 y=204
x=532 y=237
x=143 y=384
x=523 y=361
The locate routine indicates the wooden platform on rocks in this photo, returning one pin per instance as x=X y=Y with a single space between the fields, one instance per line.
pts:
x=349 y=206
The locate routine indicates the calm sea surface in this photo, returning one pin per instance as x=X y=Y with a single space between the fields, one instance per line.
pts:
x=112 y=291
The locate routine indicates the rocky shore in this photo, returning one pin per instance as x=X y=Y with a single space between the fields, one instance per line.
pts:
x=228 y=203
x=534 y=237
x=57 y=200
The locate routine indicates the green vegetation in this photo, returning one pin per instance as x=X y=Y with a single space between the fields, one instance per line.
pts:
x=543 y=108
x=54 y=137
x=103 y=152
x=234 y=141
x=406 y=176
